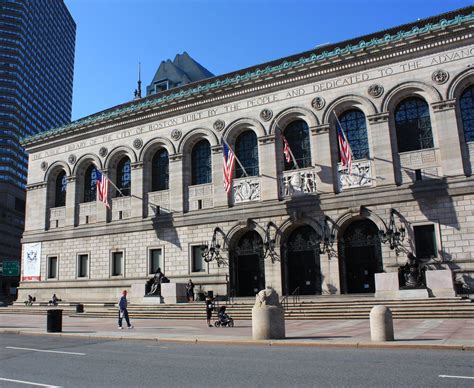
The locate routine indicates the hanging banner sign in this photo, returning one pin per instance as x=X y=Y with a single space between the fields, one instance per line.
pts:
x=31 y=262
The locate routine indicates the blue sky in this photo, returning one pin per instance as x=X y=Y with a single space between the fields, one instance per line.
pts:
x=223 y=35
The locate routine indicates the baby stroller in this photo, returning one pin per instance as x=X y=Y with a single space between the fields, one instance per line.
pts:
x=224 y=319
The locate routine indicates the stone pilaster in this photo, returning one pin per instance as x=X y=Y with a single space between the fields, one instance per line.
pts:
x=138 y=201
x=321 y=158
x=176 y=182
x=381 y=154
x=268 y=168
x=71 y=202
x=448 y=137
x=36 y=211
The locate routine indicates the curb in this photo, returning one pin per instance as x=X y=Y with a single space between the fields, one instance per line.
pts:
x=244 y=342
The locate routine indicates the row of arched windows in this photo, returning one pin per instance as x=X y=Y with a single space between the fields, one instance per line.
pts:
x=412 y=125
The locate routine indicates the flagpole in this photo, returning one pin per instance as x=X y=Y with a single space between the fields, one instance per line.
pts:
x=236 y=158
x=289 y=148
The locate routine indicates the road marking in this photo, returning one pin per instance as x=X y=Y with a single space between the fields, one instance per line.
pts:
x=30 y=383
x=457 y=377
x=46 y=351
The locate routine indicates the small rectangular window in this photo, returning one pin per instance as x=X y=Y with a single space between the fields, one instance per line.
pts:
x=117 y=263
x=425 y=241
x=197 y=264
x=155 y=260
x=82 y=266
x=418 y=175
x=52 y=267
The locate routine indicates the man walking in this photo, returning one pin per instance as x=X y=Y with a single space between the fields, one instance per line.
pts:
x=123 y=312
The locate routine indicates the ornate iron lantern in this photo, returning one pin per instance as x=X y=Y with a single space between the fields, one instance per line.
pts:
x=393 y=235
x=328 y=238
x=269 y=243
x=212 y=251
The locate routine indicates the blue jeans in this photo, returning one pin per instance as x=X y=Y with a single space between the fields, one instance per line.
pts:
x=125 y=315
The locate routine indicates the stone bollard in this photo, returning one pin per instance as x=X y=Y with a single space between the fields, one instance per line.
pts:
x=381 y=324
x=268 y=318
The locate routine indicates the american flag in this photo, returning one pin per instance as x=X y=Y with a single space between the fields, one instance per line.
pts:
x=344 y=148
x=102 y=183
x=286 y=150
x=229 y=161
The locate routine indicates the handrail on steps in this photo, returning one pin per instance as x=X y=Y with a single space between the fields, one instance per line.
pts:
x=296 y=298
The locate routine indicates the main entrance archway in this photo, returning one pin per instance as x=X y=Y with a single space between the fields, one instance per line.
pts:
x=360 y=257
x=248 y=269
x=302 y=268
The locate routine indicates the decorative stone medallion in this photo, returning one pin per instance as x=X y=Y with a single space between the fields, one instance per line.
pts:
x=219 y=125
x=176 y=134
x=44 y=166
x=440 y=76
x=103 y=151
x=138 y=143
x=375 y=90
x=72 y=159
x=318 y=103
x=266 y=114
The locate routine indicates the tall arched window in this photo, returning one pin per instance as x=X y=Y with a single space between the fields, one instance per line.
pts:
x=466 y=106
x=123 y=176
x=90 y=188
x=160 y=171
x=201 y=169
x=413 y=125
x=60 y=190
x=354 y=125
x=246 y=150
x=297 y=135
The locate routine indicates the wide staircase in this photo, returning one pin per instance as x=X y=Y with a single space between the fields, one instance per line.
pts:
x=298 y=308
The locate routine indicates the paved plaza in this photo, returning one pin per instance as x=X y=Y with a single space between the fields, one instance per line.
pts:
x=409 y=333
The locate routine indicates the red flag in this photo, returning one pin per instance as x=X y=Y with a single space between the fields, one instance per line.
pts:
x=286 y=149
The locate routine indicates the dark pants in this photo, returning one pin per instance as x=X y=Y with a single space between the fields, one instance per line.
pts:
x=125 y=315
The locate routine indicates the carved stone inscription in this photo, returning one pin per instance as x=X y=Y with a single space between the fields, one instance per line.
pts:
x=356 y=78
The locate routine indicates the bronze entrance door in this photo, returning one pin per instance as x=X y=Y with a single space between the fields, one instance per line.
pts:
x=248 y=269
x=360 y=257
x=302 y=262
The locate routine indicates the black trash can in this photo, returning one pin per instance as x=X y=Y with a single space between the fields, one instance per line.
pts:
x=79 y=308
x=54 y=321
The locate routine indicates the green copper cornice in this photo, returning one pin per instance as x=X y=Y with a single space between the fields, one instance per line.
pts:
x=255 y=74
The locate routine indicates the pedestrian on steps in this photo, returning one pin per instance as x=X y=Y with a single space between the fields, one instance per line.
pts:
x=123 y=312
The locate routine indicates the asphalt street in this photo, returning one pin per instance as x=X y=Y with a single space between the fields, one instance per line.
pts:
x=80 y=362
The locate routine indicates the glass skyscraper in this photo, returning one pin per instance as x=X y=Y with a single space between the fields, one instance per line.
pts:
x=37 y=44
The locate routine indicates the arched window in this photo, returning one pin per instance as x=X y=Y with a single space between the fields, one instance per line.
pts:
x=123 y=176
x=160 y=171
x=354 y=125
x=60 y=190
x=297 y=135
x=201 y=170
x=466 y=106
x=90 y=185
x=413 y=125
x=246 y=150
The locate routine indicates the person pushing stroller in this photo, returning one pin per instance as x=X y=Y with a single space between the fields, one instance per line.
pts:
x=224 y=318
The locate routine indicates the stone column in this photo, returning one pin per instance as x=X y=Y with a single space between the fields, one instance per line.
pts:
x=445 y=126
x=321 y=157
x=71 y=201
x=382 y=150
x=137 y=201
x=220 y=196
x=268 y=168
x=176 y=183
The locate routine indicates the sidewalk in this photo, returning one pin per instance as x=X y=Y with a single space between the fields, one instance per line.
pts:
x=453 y=334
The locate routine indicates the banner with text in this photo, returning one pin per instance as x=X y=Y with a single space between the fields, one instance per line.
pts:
x=31 y=262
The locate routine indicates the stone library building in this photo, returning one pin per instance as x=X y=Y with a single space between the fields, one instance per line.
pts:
x=291 y=215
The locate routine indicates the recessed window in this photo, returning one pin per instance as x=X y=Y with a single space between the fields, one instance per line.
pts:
x=354 y=125
x=246 y=149
x=83 y=266
x=124 y=177
x=201 y=169
x=117 y=263
x=160 y=171
x=60 y=190
x=297 y=135
x=52 y=267
x=197 y=261
x=425 y=241
x=466 y=106
x=156 y=260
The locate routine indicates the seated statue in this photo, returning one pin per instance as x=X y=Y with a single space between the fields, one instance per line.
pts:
x=412 y=272
x=156 y=282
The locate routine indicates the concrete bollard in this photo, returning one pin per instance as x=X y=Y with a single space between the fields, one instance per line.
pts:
x=268 y=319
x=381 y=324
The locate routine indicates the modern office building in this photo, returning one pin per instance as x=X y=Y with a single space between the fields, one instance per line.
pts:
x=37 y=40
x=295 y=217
